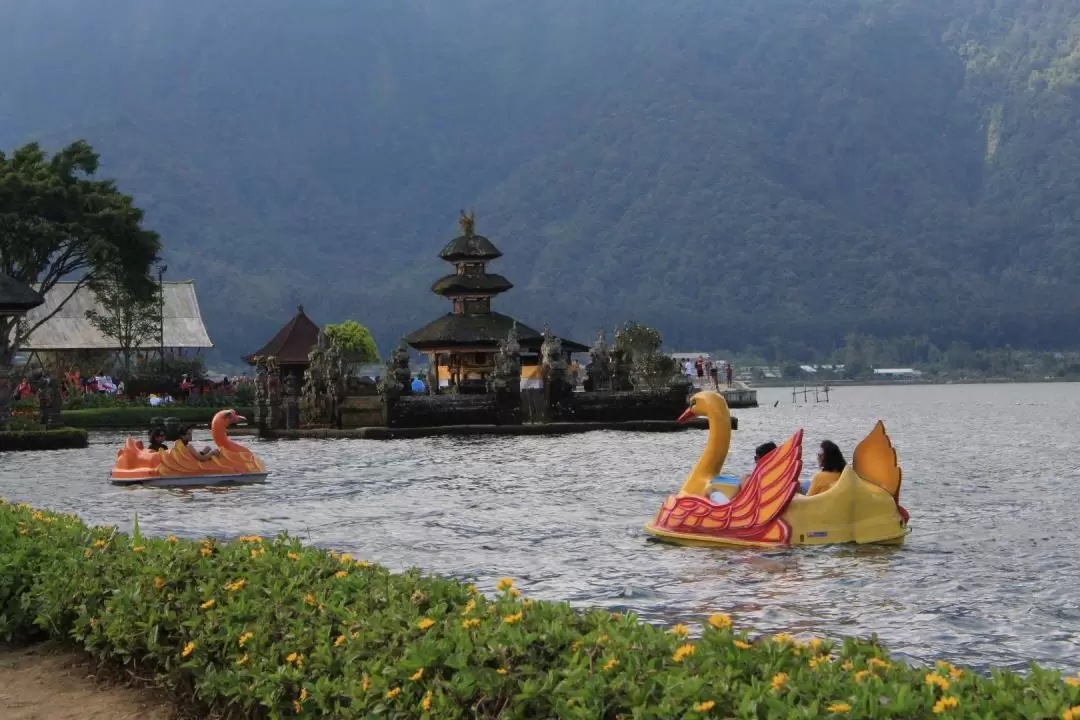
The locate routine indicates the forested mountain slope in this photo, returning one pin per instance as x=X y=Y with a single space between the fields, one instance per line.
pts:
x=730 y=172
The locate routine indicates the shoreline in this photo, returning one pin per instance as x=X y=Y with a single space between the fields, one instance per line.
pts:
x=810 y=384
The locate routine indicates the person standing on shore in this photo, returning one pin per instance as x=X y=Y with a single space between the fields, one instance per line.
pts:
x=711 y=368
x=728 y=374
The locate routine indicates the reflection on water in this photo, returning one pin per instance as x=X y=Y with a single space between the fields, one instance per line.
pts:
x=985 y=578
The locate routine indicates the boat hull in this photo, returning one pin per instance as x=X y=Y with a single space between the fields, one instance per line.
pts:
x=179 y=481
x=694 y=540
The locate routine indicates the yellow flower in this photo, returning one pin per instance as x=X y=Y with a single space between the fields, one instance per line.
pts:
x=502 y=671
x=208 y=604
x=309 y=599
x=393 y=693
x=469 y=606
x=138 y=548
x=511 y=619
x=365 y=683
x=704 y=706
x=683 y=652
x=783 y=638
x=341 y=574
x=472 y=589
x=879 y=663
x=839 y=708
x=303 y=694
x=346 y=557
x=243 y=660
x=425 y=704
x=863 y=674
x=943 y=665
x=575 y=645
x=601 y=640
x=100 y=544
x=297 y=707
x=779 y=681
x=1074 y=682
x=742 y=645
x=946 y=703
x=172 y=539
x=1072 y=713
x=720 y=621
x=236 y=585
x=206 y=551
x=159 y=582
x=425 y=623
x=362 y=564
x=417 y=675
x=935 y=679
x=514 y=592
x=680 y=631
x=504 y=584
x=245 y=637
x=847 y=665
x=817 y=660
x=339 y=641
x=293 y=556
x=297 y=658
x=188 y=649
x=257 y=552
x=470 y=623
x=88 y=553
x=610 y=664
x=250 y=539
x=815 y=643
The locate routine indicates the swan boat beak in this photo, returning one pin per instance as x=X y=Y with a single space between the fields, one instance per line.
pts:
x=687 y=416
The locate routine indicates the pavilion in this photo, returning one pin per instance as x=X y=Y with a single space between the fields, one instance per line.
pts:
x=291 y=345
x=66 y=327
x=462 y=344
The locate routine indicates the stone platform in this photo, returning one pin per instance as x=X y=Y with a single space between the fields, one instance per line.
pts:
x=556 y=428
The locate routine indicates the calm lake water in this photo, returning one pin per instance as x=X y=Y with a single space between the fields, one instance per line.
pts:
x=987 y=577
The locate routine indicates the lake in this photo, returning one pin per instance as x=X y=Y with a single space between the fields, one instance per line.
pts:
x=985 y=578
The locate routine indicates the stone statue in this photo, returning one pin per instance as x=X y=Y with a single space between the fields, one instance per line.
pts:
x=275 y=420
x=622 y=363
x=292 y=402
x=261 y=394
x=50 y=404
x=598 y=371
x=553 y=364
x=397 y=380
x=507 y=374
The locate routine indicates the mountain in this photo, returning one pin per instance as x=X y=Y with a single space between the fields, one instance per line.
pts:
x=731 y=173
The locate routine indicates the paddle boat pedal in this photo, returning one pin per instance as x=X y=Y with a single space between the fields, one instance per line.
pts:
x=767 y=511
x=179 y=467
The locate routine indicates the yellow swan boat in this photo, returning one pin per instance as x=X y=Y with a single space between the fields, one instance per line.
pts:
x=863 y=506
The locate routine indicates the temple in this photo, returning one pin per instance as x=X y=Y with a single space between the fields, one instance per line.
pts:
x=461 y=346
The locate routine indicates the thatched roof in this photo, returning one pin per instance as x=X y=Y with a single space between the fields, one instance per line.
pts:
x=486 y=284
x=480 y=331
x=69 y=329
x=293 y=343
x=470 y=247
x=16 y=298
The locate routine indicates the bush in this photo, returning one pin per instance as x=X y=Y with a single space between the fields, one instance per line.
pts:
x=59 y=439
x=273 y=629
x=86 y=401
x=139 y=416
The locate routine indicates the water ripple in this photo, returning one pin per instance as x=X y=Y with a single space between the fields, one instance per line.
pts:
x=984 y=579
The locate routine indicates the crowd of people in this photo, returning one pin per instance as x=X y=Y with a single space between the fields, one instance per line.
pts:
x=705 y=367
x=76 y=384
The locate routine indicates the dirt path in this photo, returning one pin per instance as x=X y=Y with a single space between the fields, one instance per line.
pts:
x=44 y=682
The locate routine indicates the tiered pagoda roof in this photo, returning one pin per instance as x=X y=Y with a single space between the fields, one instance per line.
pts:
x=473 y=324
x=16 y=298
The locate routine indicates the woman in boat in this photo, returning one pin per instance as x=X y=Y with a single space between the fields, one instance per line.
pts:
x=205 y=454
x=157 y=440
x=832 y=463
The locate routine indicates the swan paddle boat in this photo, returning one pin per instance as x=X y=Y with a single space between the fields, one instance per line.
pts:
x=863 y=506
x=179 y=467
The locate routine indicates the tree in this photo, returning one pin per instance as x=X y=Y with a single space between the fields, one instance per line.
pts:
x=58 y=222
x=354 y=340
x=129 y=319
x=641 y=343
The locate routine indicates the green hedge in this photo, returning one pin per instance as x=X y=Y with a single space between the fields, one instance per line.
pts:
x=59 y=439
x=138 y=417
x=257 y=628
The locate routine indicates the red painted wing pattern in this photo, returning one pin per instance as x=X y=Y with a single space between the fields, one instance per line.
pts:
x=754 y=512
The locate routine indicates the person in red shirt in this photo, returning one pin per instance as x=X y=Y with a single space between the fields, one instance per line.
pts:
x=24 y=389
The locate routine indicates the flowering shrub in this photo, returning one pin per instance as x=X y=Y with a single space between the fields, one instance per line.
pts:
x=269 y=628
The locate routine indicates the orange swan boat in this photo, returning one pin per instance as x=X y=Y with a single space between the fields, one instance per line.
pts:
x=179 y=467
x=863 y=506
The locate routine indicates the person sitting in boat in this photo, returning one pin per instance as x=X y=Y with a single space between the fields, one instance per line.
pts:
x=832 y=463
x=157 y=440
x=205 y=454
x=718 y=497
